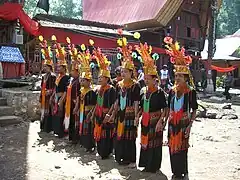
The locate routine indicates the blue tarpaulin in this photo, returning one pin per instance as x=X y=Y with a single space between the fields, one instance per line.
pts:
x=11 y=54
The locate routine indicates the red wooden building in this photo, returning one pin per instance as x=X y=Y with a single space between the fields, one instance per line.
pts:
x=11 y=43
x=184 y=20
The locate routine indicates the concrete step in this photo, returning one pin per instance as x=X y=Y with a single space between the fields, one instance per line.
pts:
x=6 y=111
x=9 y=120
x=3 y=101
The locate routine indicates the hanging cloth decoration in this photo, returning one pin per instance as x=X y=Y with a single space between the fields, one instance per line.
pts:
x=223 y=70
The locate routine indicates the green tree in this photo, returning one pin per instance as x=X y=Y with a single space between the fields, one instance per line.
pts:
x=64 y=8
x=228 y=20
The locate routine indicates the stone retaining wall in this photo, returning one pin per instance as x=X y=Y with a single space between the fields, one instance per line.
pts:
x=24 y=103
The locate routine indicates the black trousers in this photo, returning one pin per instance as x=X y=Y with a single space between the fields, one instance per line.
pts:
x=227 y=94
x=179 y=163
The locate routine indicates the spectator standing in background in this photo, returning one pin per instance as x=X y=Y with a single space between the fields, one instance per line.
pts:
x=204 y=80
x=164 y=75
x=228 y=85
x=214 y=79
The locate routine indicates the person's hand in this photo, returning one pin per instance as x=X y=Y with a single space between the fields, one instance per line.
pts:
x=164 y=125
x=88 y=117
x=60 y=104
x=49 y=92
x=75 y=111
x=187 y=131
x=136 y=121
x=106 y=118
x=159 y=126
x=111 y=119
x=51 y=98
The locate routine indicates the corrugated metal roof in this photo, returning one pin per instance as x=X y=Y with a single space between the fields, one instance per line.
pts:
x=122 y=12
x=82 y=28
x=11 y=54
x=224 y=49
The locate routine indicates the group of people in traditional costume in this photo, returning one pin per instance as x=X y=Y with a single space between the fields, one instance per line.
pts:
x=106 y=116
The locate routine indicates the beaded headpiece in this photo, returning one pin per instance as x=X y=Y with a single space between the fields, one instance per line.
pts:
x=103 y=62
x=46 y=51
x=127 y=61
x=74 y=55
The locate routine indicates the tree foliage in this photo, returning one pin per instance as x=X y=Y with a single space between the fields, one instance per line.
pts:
x=64 y=8
x=228 y=20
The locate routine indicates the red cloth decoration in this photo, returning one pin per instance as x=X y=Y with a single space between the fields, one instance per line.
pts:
x=14 y=11
x=223 y=70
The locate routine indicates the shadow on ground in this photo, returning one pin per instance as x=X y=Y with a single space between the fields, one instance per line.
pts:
x=13 y=152
x=19 y=156
x=105 y=166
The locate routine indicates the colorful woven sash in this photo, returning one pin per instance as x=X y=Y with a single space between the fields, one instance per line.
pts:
x=55 y=110
x=120 y=126
x=83 y=91
x=68 y=107
x=43 y=99
x=99 y=113
x=178 y=118
x=145 y=119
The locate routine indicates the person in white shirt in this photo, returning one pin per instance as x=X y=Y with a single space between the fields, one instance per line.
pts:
x=164 y=77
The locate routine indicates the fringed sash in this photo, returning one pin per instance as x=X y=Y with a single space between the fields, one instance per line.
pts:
x=120 y=126
x=178 y=122
x=145 y=119
x=43 y=99
x=68 y=107
x=58 y=79
x=99 y=112
x=84 y=91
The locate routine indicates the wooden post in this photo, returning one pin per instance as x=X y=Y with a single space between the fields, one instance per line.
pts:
x=211 y=43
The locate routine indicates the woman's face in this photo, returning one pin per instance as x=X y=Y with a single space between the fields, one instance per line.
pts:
x=84 y=82
x=47 y=68
x=126 y=74
x=149 y=80
x=179 y=78
x=62 y=69
x=102 y=80
x=74 y=73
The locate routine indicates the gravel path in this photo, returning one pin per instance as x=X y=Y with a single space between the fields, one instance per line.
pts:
x=27 y=154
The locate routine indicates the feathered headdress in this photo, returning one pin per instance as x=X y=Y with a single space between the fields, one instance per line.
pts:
x=84 y=59
x=60 y=52
x=178 y=58
x=103 y=62
x=149 y=66
x=46 y=51
x=74 y=55
x=127 y=61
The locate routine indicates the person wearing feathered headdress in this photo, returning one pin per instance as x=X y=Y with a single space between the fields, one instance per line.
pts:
x=104 y=120
x=71 y=116
x=47 y=87
x=182 y=104
x=128 y=93
x=60 y=89
x=86 y=101
x=153 y=106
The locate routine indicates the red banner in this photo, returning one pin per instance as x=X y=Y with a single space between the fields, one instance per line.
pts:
x=14 y=11
x=223 y=70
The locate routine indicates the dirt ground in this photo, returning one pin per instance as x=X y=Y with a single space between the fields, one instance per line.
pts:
x=27 y=154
